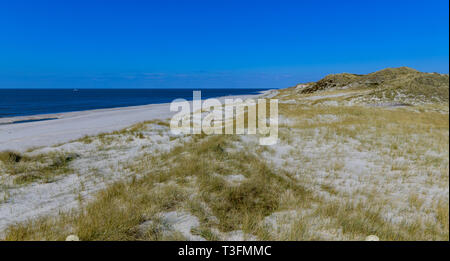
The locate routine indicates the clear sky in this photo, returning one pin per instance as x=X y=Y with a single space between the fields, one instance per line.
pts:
x=214 y=44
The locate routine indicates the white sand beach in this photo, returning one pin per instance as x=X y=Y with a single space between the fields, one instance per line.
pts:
x=73 y=125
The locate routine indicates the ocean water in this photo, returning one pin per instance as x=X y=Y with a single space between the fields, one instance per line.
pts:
x=21 y=102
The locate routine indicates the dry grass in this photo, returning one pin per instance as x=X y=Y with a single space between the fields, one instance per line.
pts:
x=398 y=152
x=24 y=169
x=116 y=212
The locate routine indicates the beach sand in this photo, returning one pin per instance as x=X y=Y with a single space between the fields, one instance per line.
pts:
x=63 y=127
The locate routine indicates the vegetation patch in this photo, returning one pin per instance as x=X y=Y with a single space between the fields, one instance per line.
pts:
x=43 y=167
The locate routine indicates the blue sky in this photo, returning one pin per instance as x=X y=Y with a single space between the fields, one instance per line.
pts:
x=214 y=44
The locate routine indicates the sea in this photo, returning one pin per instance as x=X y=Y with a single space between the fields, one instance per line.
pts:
x=24 y=102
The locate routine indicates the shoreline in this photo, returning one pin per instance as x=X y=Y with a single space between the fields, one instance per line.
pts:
x=50 y=129
x=10 y=119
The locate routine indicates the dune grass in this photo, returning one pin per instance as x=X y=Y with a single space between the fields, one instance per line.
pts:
x=182 y=178
x=42 y=167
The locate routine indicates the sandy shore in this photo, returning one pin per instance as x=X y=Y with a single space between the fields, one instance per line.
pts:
x=63 y=127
